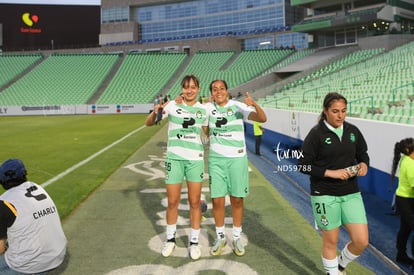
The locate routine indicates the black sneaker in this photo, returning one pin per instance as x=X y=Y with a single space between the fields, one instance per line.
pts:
x=404 y=259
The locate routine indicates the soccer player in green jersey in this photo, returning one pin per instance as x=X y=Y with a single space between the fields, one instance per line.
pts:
x=227 y=162
x=185 y=160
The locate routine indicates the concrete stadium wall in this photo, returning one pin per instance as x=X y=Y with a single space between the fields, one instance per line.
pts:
x=225 y=43
x=288 y=129
x=388 y=42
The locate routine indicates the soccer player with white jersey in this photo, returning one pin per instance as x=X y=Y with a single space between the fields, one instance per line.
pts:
x=185 y=159
x=32 y=240
x=227 y=162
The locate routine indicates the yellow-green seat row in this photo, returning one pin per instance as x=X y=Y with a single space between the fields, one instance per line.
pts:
x=379 y=87
x=246 y=66
x=13 y=65
x=60 y=79
x=206 y=66
x=141 y=77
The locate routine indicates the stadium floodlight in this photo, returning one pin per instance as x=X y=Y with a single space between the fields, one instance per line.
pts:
x=264 y=43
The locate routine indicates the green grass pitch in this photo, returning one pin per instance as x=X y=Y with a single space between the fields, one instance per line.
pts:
x=113 y=216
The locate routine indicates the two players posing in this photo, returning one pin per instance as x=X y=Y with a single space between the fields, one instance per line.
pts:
x=222 y=121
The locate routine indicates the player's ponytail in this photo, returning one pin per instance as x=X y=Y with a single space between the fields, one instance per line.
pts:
x=404 y=146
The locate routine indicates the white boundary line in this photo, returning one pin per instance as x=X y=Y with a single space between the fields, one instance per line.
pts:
x=79 y=164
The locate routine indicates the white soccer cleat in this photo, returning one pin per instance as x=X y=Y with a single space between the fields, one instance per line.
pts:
x=195 y=252
x=218 y=246
x=168 y=248
x=238 y=247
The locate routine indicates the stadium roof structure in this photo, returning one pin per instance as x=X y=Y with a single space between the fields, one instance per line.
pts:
x=345 y=21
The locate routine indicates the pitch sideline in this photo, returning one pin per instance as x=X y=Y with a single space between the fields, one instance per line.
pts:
x=79 y=164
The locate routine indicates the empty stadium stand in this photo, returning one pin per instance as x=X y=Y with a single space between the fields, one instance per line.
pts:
x=65 y=79
x=141 y=77
x=11 y=66
x=377 y=83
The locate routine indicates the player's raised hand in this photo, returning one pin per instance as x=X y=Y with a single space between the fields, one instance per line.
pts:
x=258 y=114
x=248 y=99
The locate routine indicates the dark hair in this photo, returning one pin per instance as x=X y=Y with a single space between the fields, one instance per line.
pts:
x=212 y=82
x=327 y=102
x=186 y=81
x=404 y=146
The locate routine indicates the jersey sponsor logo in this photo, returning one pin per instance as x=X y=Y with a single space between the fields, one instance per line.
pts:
x=228 y=135
x=221 y=121
x=180 y=111
x=188 y=121
x=228 y=113
x=179 y=136
x=221 y=132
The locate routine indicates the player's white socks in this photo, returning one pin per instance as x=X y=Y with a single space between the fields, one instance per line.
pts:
x=194 y=234
x=170 y=231
x=346 y=256
x=330 y=266
x=220 y=231
x=237 y=232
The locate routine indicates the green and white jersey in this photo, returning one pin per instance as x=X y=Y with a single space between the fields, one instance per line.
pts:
x=184 y=129
x=227 y=129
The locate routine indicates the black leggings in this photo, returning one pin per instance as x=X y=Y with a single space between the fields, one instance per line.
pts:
x=258 y=143
x=405 y=208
